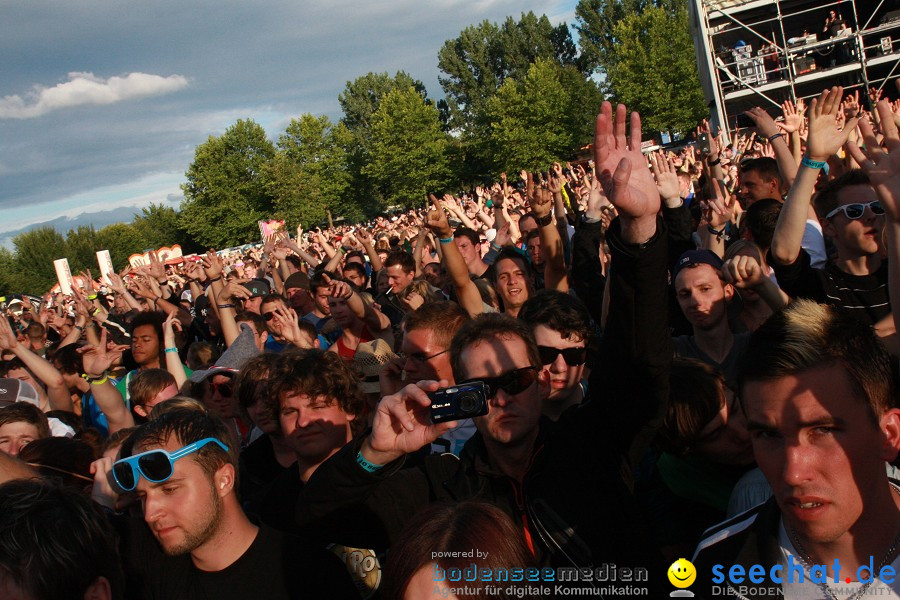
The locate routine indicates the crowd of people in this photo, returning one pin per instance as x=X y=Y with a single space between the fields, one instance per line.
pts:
x=688 y=354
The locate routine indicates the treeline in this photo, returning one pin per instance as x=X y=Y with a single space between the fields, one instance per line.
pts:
x=517 y=94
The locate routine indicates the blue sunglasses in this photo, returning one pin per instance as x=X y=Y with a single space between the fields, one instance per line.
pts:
x=155 y=466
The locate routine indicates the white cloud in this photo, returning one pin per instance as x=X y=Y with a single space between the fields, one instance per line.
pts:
x=85 y=88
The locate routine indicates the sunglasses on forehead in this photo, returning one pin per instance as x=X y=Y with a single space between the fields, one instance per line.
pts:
x=572 y=356
x=857 y=210
x=155 y=466
x=512 y=382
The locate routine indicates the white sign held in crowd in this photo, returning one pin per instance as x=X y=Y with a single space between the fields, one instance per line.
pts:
x=64 y=275
x=106 y=266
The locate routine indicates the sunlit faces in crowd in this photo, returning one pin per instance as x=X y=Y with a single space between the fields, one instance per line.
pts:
x=702 y=295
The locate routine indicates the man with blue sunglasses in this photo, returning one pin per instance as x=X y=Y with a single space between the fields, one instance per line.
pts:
x=852 y=217
x=197 y=542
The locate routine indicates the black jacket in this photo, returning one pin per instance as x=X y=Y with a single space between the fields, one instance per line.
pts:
x=574 y=504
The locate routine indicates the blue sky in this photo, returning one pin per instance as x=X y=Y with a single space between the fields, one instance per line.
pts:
x=102 y=103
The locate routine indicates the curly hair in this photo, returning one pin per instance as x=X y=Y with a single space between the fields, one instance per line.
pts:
x=318 y=373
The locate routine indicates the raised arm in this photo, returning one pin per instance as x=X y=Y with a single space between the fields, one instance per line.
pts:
x=883 y=167
x=466 y=291
x=57 y=392
x=97 y=361
x=824 y=140
x=540 y=198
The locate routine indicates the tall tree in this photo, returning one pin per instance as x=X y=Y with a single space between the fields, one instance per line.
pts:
x=122 y=240
x=655 y=71
x=644 y=52
x=35 y=252
x=224 y=195
x=478 y=61
x=309 y=174
x=541 y=118
x=359 y=101
x=409 y=149
x=159 y=225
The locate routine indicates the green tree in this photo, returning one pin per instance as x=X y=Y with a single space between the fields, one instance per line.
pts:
x=541 y=118
x=655 y=71
x=359 y=101
x=35 y=252
x=159 y=225
x=122 y=240
x=409 y=149
x=477 y=62
x=225 y=195
x=309 y=174
x=645 y=55
x=81 y=249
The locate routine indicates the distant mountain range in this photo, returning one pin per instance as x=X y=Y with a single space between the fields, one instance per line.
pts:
x=123 y=214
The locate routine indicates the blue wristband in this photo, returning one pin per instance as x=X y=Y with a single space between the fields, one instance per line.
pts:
x=171 y=350
x=370 y=467
x=812 y=164
x=446 y=240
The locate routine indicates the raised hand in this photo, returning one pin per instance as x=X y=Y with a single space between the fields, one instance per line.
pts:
x=882 y=166
x=234 y=291
x=666 y=177
x=824 y=136
x=793 y=117
x=437 y=221
x=624 y=173
x=402 y=424
x=765 y=124
x=540 y=198
x=743 y=272
x=96 y=360
x=852 y=107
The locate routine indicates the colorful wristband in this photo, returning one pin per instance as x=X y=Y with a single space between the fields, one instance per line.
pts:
x=361 y=461
x=96 y=380
x=771 y=138
x=812 y=164
x=92 y=297
x=446 y=240
x=167 y=350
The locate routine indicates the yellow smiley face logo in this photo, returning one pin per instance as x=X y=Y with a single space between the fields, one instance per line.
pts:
x=682 y=573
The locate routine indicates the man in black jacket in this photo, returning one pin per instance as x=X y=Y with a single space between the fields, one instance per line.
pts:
x=562 y=483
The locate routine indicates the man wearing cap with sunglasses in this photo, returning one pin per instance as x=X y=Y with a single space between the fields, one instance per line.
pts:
x=562 y=482
x=197 y=541
x=851 y=215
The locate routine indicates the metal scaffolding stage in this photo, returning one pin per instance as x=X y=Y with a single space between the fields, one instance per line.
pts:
x=763 y=52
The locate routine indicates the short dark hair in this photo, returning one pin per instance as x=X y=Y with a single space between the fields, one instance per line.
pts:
x=24 y=412
x=487 y=327
x=467 y=233
x=188 y=426
x=561 y=312
x=355 y=266
x=766 y=167
x=318 y=373
x=56 y=543
x=273 y=297
x=807 y=335
x=246 y=316
x=68 y=360
x=761 y=219
x=252 y=382
x=516 y=255
x=402 y=258
x=827 y=199
x=443 y=318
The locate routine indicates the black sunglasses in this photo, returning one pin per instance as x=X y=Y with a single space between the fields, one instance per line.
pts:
x=225 y=389
x=268 y=316
x=512 y=382
x=572 y=356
